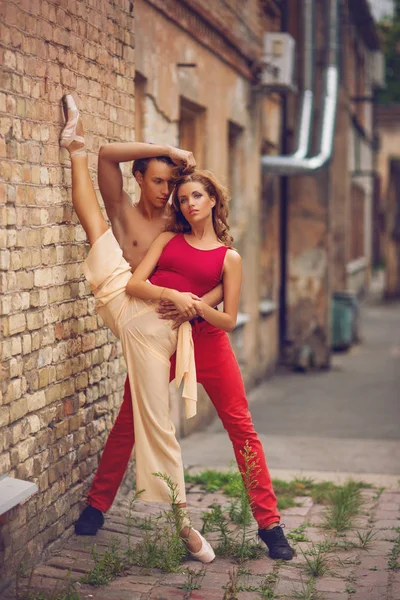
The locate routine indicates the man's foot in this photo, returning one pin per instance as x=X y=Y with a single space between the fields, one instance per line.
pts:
x=72 y=135
x=89 y=522
x=277 y=543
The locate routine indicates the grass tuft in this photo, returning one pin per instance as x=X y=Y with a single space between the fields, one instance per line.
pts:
x=345 y=502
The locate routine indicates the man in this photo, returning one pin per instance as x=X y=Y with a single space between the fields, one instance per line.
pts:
x=135 y=227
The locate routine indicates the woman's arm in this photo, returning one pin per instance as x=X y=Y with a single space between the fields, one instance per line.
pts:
x=231 y=280
x=167 y=310
x=139 y=287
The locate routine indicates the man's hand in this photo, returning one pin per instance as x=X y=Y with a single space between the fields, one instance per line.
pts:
x=167 y=310
x=182 y=158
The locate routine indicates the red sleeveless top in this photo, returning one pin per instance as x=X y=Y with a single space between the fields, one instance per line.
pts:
x=187 y=269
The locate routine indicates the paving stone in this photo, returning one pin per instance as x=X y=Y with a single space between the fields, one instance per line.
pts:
x=285 y=587
x=330 y=584
x=129 y=584
x=368 y=593
x=261 y=566
x=165 y=593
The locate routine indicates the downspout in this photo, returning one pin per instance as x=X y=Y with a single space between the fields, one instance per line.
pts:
x=303 y=143
x=297 y=164
x=307 y=100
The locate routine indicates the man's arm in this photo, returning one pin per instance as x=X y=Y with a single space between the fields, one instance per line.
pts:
x=109 y=172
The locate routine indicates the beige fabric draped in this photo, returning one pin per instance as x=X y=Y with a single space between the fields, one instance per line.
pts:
x=148 y=342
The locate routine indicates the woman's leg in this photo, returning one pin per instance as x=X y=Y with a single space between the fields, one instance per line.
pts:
x=219 y=373
x=84 y=196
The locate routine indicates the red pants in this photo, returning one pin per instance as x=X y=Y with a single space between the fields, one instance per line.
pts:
x=219 y=373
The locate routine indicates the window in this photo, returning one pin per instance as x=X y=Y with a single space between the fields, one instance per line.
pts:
x=192 y=129
x=236 y=171
x=357 y=249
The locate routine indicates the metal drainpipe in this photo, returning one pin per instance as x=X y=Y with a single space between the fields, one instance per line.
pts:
x=303 y=143
x=307 y=100
x=298 y=165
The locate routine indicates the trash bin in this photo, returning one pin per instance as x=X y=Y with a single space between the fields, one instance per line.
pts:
x=345 y=320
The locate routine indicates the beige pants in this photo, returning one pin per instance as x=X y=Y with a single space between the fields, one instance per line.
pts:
x=148 y=342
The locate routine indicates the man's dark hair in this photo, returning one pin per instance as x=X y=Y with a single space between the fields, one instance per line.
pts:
x=140 y=165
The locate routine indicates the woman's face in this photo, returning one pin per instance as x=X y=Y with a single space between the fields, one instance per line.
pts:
x=194 y=202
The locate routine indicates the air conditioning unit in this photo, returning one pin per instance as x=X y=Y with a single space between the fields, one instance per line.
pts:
x=378 y=75
x=278 y=64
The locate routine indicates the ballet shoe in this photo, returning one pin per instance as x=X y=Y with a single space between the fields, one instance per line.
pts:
x=206 y=554
x=68 y=134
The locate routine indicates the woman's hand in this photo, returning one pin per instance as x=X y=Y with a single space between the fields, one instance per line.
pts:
x=184 y=302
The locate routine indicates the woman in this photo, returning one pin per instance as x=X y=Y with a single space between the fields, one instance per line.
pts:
x=193 y=261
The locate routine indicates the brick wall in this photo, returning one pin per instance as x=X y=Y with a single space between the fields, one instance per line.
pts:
x=61 y=371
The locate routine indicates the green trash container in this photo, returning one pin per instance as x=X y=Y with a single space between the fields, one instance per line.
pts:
x=344 y=312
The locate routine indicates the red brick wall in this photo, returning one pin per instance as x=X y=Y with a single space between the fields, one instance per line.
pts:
x=61 y=371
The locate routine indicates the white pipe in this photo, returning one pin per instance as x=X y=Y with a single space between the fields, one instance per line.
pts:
x=297 y=164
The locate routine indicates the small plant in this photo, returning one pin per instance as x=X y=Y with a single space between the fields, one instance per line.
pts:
x=162 y=547
x=345 y=504
x=394 y=562
x=307 y=591
x=232 y=587
x=106 y=567
x=366 y=538
x=68 y=593
x=297 y=534
x=194 y=579
x=317 y=563
x=146 y=524
x=267 y=586
x=229 y=544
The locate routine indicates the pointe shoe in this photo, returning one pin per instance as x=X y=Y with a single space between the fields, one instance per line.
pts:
x=206 y=554
x=68 y=134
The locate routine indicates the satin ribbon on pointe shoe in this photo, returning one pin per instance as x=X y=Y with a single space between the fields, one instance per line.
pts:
x=68 y=134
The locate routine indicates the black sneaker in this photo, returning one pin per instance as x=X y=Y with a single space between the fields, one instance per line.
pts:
x=277 y=543
x=89 y=522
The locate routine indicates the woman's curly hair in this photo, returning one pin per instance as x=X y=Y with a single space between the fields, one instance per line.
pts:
x=177 y=222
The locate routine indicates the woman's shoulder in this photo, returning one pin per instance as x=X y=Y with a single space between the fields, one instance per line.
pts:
x=165 y=237
x=233 y=260
x=233 y=255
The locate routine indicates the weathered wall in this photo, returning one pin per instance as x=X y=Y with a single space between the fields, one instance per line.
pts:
x=62 y=371
x=392 y=233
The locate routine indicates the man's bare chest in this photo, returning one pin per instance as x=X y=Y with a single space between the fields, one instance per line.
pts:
x=136 y=237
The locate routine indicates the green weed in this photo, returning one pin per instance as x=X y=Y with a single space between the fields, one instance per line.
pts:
x=106 y=566
x=307 y=591
x=317 y=563
x=194 y=579
x=345 y=504
x=394 y=556
x=297 y=534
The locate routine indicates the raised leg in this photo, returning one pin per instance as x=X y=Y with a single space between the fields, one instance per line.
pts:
x=84 y=196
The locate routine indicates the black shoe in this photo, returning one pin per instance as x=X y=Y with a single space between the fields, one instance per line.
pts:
x=277 y=543
x=89 y=522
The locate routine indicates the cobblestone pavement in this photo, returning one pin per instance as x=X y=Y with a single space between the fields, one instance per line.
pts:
x=352 y=573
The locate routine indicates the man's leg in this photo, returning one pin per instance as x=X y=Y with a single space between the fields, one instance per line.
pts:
x=111 y=470
x=219 y=373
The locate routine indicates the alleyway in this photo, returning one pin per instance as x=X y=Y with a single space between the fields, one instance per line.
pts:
x=347 y=419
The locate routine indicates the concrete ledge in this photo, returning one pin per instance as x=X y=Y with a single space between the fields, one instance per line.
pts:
x=13 y=491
